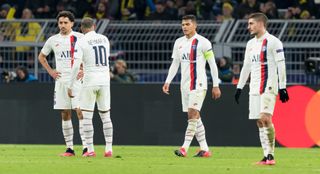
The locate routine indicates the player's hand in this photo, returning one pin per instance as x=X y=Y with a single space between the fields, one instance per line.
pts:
x=80 y=75
x=216 y=93
x=284 y=96
x=165 y=88
x=55 y=74
x=237 y=95
x=70 y=93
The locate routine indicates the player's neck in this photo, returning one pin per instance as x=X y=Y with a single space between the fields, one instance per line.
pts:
x=260 y=34
x=188 y=36
x=66 y=34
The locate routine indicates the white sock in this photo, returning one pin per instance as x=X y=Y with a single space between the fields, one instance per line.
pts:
x=88 y=129
x=81 y=131
x=270 y=138
x=201 y=136
x=191 y=130
x=263 y=142
x=107 y=129
x=67 y=130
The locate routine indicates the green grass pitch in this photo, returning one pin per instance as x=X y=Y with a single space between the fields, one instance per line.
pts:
x=43 y=159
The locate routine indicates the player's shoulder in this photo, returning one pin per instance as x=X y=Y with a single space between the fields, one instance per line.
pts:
x=273 y=39
x=53 y=38
x=179 y=39
x=77 y=34
x=202 y=38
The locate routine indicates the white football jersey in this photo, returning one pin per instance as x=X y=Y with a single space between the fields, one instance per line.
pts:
x=190 y=52
x=93 y=50
x=261 y=57
x=63 y=47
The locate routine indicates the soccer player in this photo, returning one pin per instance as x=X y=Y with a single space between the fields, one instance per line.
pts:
x=192 y=51
x=265 y=63
x=93 y=51
x=62 y=45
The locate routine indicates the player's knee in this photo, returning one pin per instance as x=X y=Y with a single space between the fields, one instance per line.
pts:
x=193 y=114
x=266 y=118
x=79 y=113
x=259 y=123
x=66 y=115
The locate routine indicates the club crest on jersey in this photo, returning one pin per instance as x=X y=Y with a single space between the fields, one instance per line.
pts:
x=264 y=48
x=194 y=47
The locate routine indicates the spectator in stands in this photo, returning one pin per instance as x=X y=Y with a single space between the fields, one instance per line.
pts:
x=204 y=9
x=270 y=10
x=224 y=67
x=127 y=10
x=180 y=4
x=190 y=8
x=305 y=14
x=227 y=11
x=41 y=8
x=24 y=76
x=102 y=11
x=160 y=13
x=307 y=5
x=247 y=7
x=26 y=32
x=217 y=7
x=7 y=12
x=293 y=13
x=6 y=29
x=236 y=73
x=172 y=9
x=120 y=74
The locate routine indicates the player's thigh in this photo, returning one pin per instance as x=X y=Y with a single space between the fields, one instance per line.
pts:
x=61 y=98
x=196 y=98
x=254 y=106
x=268 y=101
x=103 y=98
x=88 y=98
x=184 y=100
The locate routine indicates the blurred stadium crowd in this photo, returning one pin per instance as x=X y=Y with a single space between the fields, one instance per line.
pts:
x=163 y=9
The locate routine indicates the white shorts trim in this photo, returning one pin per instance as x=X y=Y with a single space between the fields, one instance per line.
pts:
x=61 y=99
x=192 y=99
x=261 y=104
x=92 y=94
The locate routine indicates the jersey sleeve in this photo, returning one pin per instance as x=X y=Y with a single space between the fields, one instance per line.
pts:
x=78 y=54
x=277 y=50
x=207 y=49
x=175 y=54
x=245 y=71
x=47 y=48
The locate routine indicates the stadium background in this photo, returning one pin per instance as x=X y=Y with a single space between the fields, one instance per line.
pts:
x=146 y=45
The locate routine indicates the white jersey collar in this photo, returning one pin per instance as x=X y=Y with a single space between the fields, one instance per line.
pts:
x=191 y=38
x=266 y=34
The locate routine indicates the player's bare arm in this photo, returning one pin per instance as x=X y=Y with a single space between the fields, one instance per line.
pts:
x=52 y=72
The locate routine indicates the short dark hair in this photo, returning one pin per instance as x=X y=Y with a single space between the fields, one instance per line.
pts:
x=190 y=17
x=259 y=17
x=66 y=14
x=87 y=22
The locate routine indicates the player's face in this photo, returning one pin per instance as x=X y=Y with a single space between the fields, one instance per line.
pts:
x=65 y=25
x=188 y=27
x=255 y=27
